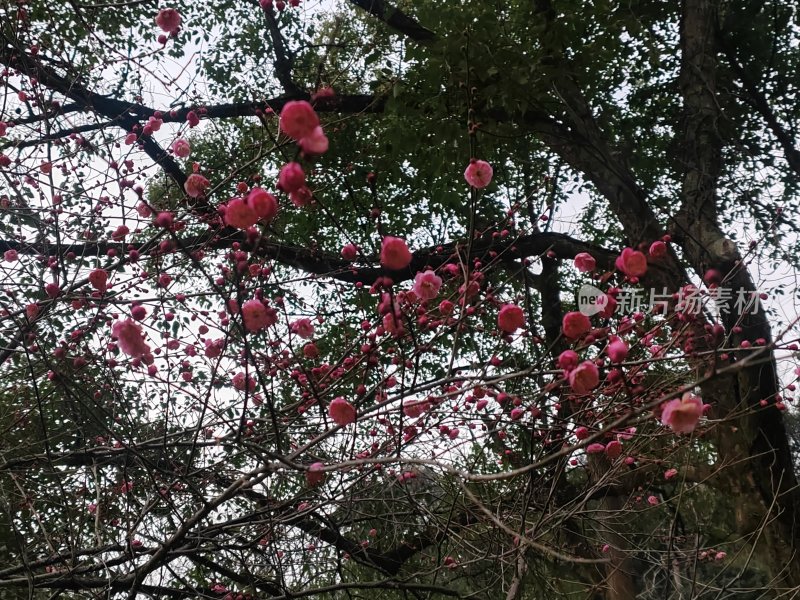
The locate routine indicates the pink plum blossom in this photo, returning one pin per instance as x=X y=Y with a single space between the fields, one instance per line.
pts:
x=478 y=173
x=632 y=262
x=426 y=285
x=303 y=328
x=341 y=411
x=31 y=311
x=130 y=338
x=315 y=475
x=196 y=185
x=595 y=448
x=585 y=262
x=239 y=214
x=617 y=350
x=263 y=204
x=98 y=279
x=213 y=348
x=613 y=449
x=712 y=277
x=446 y=307
x=302 y=196
x=181 y=148
x=164 y=219
x=414 y=408
x=575 y=324
x=153 y=124
x=584 y=378
x=169 y=20
x=682 y=414
x=256 y=316
x=349 y=252
x=144 y=210
x=120 y=233
x=568 y=360
x=393 y=324
x=315 y=143
x=241 y=382
x=395 y=254
x=609 y=304
x=291 y=177
x=510 y=318
x=658 y=249
x=324 y=92
x=298 y=119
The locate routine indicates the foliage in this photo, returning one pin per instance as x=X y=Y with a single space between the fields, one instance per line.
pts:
x=481 y=463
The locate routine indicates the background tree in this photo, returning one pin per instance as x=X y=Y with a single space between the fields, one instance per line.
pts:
x=244 y=356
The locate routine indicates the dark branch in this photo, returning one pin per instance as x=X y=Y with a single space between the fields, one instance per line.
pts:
x=283 y=59
x=759 y=101
x=331 y=265
x=347 y=104
x=115 y=110
x=396 y=19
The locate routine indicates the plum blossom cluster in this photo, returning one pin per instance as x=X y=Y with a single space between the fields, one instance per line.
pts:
x=300 y=122
x=257 y=314
x=583 y=376
x=257 y=206
x=169 y=21
x=582 y=373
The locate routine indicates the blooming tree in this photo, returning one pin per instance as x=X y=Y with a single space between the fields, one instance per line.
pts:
x=333 y=299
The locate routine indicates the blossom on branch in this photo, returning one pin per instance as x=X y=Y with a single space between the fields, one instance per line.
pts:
x=478 y=173
x=682 y=414
x=130 y=338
